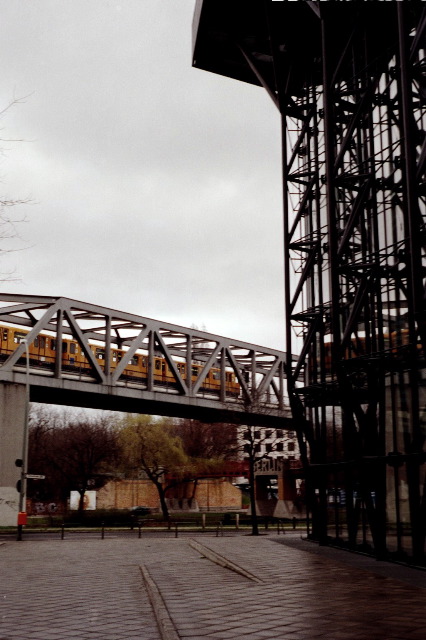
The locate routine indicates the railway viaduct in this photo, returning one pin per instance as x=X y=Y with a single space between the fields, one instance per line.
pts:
x=103 y=384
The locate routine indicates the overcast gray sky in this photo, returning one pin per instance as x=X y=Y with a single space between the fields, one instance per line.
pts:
x=155 y=186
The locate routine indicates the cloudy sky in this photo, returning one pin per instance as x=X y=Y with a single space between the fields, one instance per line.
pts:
x=155 y=187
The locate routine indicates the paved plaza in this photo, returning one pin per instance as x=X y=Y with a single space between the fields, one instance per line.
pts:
x=203 y=587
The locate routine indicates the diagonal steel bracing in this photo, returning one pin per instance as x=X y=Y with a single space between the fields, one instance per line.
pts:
x=255 y=396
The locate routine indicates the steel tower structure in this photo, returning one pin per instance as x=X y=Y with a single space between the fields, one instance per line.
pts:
x=349 y=81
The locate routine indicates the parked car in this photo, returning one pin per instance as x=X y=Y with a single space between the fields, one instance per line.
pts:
x=140 y=511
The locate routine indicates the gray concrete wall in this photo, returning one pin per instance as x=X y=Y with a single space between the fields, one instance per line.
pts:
x=12 y=421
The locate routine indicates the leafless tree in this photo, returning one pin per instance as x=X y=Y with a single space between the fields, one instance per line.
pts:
x=74 y=452
x=208 y=440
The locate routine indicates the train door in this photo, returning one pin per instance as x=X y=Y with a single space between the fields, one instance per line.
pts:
x=4 y=342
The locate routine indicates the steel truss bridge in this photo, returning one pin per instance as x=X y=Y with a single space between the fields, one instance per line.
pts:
x=349 y=80
x=260 y=372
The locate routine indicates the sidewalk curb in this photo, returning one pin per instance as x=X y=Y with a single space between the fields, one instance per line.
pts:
x=164 y=621
x=222 y=561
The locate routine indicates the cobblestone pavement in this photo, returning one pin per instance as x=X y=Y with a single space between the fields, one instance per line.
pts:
x=93 y=589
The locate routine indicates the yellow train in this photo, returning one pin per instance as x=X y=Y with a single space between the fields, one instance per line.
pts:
x=42 y=355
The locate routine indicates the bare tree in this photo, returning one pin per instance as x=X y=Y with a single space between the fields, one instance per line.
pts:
x=73 y=452
x=209 y=441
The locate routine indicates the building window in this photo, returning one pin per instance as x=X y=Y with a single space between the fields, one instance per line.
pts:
x=290 y=446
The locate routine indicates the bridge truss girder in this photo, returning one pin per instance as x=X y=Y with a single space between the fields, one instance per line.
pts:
x=349 y=81
x=259 y=371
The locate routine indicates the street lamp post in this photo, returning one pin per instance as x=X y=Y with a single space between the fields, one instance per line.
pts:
x=24 y=462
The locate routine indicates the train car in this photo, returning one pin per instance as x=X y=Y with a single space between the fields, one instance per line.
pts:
x=42 y=355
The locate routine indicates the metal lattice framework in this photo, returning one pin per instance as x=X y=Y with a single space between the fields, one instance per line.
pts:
x=103 y=383
x=349 y=81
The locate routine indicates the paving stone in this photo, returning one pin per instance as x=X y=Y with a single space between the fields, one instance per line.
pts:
x=93 y=590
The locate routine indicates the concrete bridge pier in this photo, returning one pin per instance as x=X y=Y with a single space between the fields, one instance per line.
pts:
x=12 y=426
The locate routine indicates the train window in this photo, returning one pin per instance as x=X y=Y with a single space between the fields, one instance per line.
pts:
x=134 y=361
x=216 y=374
x=158 y=364
x=114 y=356
x=64 y=347
x=42 y=342
x=73 y=347
x=195 y=371
x=53 y=344
x=18 y=337
x=5 y=333
x=144 y=363
x=100 y=354
x=36 y=342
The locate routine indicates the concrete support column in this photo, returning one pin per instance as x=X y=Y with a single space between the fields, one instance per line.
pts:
x=12 y=422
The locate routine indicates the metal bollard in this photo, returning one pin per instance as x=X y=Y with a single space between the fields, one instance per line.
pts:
x=203 y=520
x=140 y=530
x=280 y=527
x=103 y=531
x=237 y=521
x=63 y=531
x=176 y=530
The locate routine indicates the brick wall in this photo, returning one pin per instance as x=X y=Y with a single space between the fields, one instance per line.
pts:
x=210 y=494
x=124 y=494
